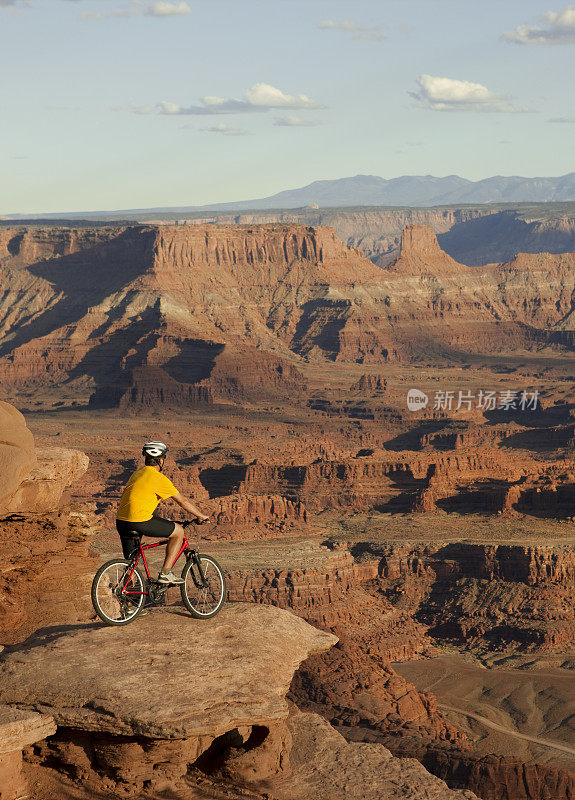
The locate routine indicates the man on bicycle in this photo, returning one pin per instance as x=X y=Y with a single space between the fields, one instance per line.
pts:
x=135 y=518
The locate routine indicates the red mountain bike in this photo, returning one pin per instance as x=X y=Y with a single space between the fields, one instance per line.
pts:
x=120 y=589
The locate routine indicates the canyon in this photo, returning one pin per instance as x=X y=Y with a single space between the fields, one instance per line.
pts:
x=202 y=719
x=399 y=580
x=201 y=314
x=472 y=234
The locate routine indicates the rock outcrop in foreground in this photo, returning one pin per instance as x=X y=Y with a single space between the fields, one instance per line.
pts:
x=136 y=706
x=168 y=678
x=17 y=730
x=140 y=710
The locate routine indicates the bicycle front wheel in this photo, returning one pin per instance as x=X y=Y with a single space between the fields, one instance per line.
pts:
x=203 y=593
x=117 y=596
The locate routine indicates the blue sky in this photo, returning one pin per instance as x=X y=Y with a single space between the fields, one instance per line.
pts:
x=102 y=105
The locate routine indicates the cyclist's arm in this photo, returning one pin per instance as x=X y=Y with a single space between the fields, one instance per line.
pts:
x=188 y=506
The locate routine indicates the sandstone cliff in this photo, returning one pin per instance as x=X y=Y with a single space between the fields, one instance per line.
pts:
x=352 y=685
x=189 y=315
x=43 y=540
x=390 y=481
x=505 y=598
x=471 y=235
x=17 y=454
x=30 y=480
x=165 y=704
x=501 y=596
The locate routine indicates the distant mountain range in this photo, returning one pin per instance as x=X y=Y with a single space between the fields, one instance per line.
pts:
x=414 y=190
x=370 y=190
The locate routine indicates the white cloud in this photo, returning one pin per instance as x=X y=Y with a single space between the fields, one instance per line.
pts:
x=564 y=120
x=262 y=94
x=365 y=32
x=213 y=105
x=167 y=108
x=139 y=8
x=157 y=9
x=226 y=130
x=259 y=98
x=558 y=28
x=447 y=94
x=291 y=121
x=165 y=9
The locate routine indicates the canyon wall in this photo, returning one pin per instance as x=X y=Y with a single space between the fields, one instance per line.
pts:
x=474 y=235
x=389 y=481
x=192 y=315
x=45 y=539
x=393 y=607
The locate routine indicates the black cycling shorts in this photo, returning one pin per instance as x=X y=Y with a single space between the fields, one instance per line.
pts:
x=131 y=532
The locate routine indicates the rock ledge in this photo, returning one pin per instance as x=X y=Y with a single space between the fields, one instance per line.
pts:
x=166 y=676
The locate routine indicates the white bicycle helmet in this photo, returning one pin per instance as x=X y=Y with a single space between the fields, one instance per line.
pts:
x=155 y=449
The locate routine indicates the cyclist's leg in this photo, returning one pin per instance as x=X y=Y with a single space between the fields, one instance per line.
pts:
x=161 y=528
x=173 y=547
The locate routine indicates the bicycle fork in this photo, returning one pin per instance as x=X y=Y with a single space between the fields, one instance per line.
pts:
x=193 y=556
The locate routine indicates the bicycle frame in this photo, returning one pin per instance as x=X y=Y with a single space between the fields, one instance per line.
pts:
x=185 y=548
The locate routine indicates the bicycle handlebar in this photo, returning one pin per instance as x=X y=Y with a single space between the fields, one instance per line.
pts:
x=194 y=522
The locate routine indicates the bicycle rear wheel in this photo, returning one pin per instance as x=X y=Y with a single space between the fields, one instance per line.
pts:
x=118 y=597
x=203 y=599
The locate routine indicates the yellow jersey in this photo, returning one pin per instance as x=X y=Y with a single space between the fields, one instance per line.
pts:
x=142 y=494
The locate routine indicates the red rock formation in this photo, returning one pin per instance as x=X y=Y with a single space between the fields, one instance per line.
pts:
x=421 y=255
x=46 y=571
x=42 y=543
x=502 y=596
x=185 y=299
x=230 y=311
x=369 y=384
x=22 y=246
x=473 y=435
x=499 y=778
x=373 y=482
x=475 y=236
x=17 y=730
x=145 y=734
x=17 y=454
x=251 y=375
x=150 y=387
x=425 y=500
x=377 y=231
x=549 y=491
x=32 y=480
x=353 y=684
x=246 y=514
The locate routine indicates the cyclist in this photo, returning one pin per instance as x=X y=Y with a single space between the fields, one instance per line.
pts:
x=144 y=490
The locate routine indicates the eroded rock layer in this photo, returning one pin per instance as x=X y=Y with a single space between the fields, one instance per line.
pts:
x=183 y=316
x=498 y=598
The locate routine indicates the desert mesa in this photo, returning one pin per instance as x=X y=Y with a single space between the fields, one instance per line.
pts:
x=228 y=312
